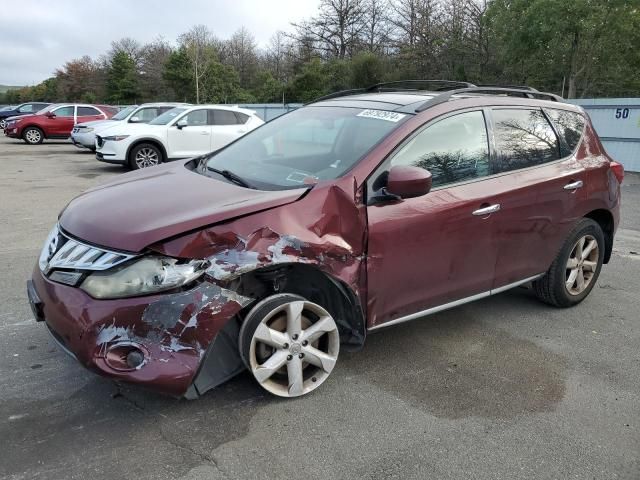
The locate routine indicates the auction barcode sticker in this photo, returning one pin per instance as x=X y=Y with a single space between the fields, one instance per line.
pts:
x=382 y=115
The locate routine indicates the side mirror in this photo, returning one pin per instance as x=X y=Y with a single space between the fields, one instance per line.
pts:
x=408 y=182
x=181 y=124
x=51 y=115
x=134 y=120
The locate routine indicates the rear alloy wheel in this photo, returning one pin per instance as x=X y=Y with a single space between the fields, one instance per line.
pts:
x=33 y=136
x=289 y=344
x=575 y=270
x=145 y=155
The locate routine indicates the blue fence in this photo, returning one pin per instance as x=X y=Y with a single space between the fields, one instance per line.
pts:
x=617 y=121
x=269 y=111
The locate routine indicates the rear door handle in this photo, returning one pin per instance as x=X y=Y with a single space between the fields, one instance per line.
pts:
x=481 y=212
x=574 y=185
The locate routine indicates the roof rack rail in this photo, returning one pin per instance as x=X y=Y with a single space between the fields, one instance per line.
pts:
x=448 y=84
x=519 y=87
x=515 y=92
x=394 y=87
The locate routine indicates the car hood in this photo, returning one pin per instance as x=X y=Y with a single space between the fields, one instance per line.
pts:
x=141 y=208
x=98 y=123
x=120 y=128
x=21 y=116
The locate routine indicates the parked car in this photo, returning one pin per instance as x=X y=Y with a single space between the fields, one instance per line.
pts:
x=83 y=135
x=22 y=109
x=181 y=132
x=55 y=121
x=341 y=218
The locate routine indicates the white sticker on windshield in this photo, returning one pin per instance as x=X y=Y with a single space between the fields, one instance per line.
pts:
x=382 y=115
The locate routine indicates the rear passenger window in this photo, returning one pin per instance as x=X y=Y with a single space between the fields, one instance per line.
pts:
x=242 y=118
x=453 y=150
x=224 y=117
x=87 y=112
x=524 y=138
x=569 y=125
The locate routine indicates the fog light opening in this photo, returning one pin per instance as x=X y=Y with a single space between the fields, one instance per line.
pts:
x=126 y=356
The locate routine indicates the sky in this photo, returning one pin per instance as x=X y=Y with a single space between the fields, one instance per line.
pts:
x=39 y=36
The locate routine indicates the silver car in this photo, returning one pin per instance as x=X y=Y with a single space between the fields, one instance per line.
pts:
x=83 y=134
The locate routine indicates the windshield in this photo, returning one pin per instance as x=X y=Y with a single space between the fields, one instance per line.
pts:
x=305 y=146
x=167 y=116
x=124 y=113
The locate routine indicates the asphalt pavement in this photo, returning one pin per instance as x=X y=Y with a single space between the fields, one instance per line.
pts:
x=503 y=388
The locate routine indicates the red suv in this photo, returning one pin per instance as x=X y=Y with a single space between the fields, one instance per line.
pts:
x=362 y=210
x=55 y=121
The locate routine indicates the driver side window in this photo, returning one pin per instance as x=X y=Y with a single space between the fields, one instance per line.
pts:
x=64 y=112
x=454 y=149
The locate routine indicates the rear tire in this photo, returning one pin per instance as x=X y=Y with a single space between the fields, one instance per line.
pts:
x=33 y=136
x=575 y=270
x=145 y=155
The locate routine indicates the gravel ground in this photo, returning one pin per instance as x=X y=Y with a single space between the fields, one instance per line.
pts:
x=502 y=388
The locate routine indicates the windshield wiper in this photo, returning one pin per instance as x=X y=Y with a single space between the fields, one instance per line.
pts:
x=229 y=175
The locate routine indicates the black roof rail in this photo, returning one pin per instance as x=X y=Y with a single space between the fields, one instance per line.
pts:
x=394 y=86
x=446 y=96
x=341 y=93
x=380 y=87
x=519 y=87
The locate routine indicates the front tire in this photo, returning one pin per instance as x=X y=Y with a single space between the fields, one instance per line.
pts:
x=575 y=270
x=144 y=155
x=33 y=136
x=289 y=344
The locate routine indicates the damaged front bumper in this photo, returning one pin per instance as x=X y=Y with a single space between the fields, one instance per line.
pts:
x=184 y=342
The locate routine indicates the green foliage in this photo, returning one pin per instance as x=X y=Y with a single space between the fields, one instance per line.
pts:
x=178 y=74
x=310 y=83
x=268 y=89
x=366 y=69
x=122 y=80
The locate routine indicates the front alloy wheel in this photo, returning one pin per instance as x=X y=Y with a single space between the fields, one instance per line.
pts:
x=3 y=124
x=144 y=156
x=289 y=344
x=33 y=136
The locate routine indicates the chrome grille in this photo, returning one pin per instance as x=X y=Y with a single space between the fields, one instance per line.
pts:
x=60 y=251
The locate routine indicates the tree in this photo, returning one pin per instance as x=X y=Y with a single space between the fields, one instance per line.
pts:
x=80 y=77
x=240 y=53
x=153 y=57
x=199 y=46
x=122 y=79
x=178 y=74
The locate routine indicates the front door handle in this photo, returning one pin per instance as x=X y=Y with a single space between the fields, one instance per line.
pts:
x=481 y=212
x=204 y=133
x=574 y=185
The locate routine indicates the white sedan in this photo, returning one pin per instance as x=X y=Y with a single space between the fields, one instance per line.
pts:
x=181 y=132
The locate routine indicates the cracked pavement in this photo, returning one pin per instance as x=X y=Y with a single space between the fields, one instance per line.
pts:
x=505 y=387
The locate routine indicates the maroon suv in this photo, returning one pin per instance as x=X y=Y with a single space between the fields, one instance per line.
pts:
x=354 y=213
x=55 y=121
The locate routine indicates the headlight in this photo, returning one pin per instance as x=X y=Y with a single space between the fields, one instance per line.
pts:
x=17 y=120
x=144 y=276
x=116 y=138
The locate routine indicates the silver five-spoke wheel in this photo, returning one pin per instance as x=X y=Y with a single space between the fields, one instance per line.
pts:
x=293 y=346
x=582 y=264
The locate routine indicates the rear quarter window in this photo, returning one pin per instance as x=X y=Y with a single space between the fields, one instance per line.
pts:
x=523 y=138
x=569 y=126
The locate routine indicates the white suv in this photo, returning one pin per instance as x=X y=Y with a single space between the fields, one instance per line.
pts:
x=83 y=135
x=182 y=132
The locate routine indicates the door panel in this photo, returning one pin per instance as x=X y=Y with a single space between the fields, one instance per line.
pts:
x=192 y=140
x=537 y=215
x=62 y=124
x=537 y=211
x=226 y=128
x=428 y=251
x=431 y=250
